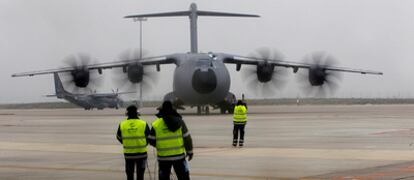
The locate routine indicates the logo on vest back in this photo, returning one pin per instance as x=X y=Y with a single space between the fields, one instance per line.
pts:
x=132 y=127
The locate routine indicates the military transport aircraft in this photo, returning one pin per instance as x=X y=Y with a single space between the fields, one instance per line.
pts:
x=202 y=79
x=87 y=101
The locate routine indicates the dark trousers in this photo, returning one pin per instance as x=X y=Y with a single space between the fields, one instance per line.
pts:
x=238 y=128
x=180 y=168
x=139 y=164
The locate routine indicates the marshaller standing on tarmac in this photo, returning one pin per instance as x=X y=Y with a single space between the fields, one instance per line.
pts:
x=170 y=136
x=239 y=122
x=132 y=134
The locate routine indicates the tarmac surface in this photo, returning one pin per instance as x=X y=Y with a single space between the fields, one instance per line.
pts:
x=311 y=142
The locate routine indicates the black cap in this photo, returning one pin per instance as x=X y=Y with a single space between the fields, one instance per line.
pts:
x=166 y=109
x=167 y=106
x=240 y=102
x=132 y=111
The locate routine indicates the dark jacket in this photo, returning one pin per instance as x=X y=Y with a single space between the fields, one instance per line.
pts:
x=174 y=121
x=119 y=137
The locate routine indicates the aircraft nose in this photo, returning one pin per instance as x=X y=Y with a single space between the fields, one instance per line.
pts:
x=204 y=81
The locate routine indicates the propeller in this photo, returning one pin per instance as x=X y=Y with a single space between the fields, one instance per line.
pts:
x=318 y=81
x=80 y=79
x=134 y=74
x=264 y=78
x=115 y=91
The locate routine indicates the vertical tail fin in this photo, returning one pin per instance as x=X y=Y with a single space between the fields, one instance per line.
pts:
x=60 y=91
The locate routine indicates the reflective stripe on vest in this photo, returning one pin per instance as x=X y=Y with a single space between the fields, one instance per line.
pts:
x=133 y=136
x=168 y=143
x=240 y=116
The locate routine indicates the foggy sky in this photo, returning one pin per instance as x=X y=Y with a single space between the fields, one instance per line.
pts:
x=364 y=34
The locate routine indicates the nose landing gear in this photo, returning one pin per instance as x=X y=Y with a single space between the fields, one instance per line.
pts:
x=203 y=109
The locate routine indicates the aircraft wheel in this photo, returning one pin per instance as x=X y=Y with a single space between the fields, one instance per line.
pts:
x=207 y=110
x=199 y=110
x=222 y=110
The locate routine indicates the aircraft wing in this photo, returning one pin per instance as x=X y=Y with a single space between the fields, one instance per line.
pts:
x=239 y=60
x=100 y=66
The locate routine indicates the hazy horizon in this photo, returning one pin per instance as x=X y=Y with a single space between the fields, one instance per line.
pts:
x=364 y=34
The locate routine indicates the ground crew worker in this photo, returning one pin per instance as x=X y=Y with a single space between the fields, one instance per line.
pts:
x=132 y=134
x=244 y=101
x=239 y=122
x=170 y=136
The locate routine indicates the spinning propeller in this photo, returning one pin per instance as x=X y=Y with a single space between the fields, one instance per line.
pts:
x=80 y=77
x=265 y=78
x=319 y=81
x=130 y=76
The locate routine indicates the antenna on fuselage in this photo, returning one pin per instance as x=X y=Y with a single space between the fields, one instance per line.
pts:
x=193 y=14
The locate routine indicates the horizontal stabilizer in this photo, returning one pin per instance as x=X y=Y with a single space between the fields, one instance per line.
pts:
x=193 y=13
x=212 y=13
x=166 y=14
x=188 y=13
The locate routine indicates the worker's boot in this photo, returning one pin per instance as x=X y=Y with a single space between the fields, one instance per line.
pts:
x=234 y=142
x=241 y=142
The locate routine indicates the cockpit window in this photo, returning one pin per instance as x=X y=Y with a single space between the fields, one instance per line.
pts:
x=204 y=62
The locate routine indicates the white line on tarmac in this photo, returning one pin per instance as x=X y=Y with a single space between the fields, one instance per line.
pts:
x=55 y=147
x=339 y=154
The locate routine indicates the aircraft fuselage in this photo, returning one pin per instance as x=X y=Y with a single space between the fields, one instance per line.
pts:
x=89 y=102
x=200 y=79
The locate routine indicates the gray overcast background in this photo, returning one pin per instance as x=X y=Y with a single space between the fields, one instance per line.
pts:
x=366 y=34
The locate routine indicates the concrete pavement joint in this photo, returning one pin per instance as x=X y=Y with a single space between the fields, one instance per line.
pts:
x=348 y=154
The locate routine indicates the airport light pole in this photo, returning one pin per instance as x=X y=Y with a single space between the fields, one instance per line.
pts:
x=141 y=104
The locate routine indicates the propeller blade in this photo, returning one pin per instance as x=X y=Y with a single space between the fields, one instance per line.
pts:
x=264 y=53
x=264 y=86
x=318 y=81
x=149 y=76
x=81 y=77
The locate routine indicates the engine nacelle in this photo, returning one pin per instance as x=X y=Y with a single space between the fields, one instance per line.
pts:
x=265 y=72
x=80 y=77
x=317 y=76
x=135 y=72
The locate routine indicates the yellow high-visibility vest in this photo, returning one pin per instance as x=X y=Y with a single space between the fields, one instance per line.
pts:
x=168 y=143
x=240 y=114
x=133 y=136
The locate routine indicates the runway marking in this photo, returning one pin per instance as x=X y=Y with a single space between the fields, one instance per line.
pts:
x=7 y=114
x=406 y=132
x=387 y=174
x=335 y=154
x=55 y=147
x=338 y=154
